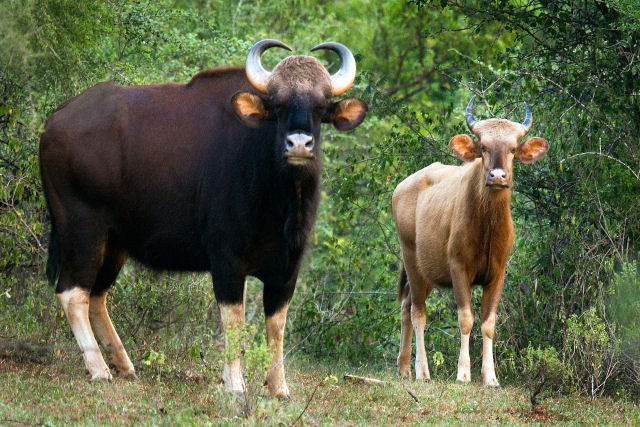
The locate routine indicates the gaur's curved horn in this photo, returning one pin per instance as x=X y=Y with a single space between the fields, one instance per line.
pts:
x=257 y=75
x=342 y=80
x=469 y=114
x=528 y=118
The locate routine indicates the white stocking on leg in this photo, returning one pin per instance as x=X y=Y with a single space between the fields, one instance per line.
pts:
x=275 y=334
x=106 y=333
x=75 y=303
x=232 y=321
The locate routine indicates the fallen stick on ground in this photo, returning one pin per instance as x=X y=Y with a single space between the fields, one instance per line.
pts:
x=362 y=380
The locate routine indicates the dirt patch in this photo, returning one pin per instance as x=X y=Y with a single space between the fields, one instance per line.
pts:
x=25 y=351
x=539 y=414
x=14 y=365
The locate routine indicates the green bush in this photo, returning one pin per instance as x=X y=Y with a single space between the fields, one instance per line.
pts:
x=544 y=374
x=624 y=308
x=592 y=349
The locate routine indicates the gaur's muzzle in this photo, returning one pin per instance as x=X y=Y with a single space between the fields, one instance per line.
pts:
x=497 y=178
x=298 y=147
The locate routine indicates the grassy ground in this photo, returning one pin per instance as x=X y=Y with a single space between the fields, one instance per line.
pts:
x=55 y=391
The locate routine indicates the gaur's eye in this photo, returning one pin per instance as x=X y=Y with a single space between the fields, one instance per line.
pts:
x=513 y=151
x=483 y=148
x=320 y=110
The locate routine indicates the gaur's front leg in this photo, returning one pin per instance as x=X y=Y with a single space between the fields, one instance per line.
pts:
x=276 y=303
x=232 y=321
x=462 y=294
x=229 y=290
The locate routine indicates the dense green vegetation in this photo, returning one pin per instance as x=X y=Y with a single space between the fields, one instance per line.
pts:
x=571 y=303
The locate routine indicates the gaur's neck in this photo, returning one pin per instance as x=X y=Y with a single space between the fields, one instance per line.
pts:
x=302 y=202
x=489 y=203
x=488 y=215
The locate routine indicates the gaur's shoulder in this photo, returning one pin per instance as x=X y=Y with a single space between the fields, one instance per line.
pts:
x=428 y=176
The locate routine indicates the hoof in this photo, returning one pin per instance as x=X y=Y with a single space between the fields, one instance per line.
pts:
x=489 y=378
x=234 y=387
x=131 y=376
x=284 y=398
x=233 y=379
x=423 y=374
x=426 y=378
x=281 y=391
x=236 y=390
x=491 y=382
x=101 y=378
x=463 y=378
x=404 y=372
x=404 y=367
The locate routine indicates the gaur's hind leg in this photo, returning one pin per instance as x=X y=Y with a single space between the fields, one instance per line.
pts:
x=99 y=316
x=75 y=303
x=82 y=251
x=276 y=303
x=419 y=321
x=419 y=291
x=406 y=336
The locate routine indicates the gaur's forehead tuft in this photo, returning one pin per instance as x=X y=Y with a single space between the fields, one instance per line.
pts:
x=502 y=128
x=304 y=73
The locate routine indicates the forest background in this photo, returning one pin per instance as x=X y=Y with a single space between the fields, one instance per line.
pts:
x=571 y=300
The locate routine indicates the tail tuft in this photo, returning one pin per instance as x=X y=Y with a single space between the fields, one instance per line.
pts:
x=403 y=289
x=53 y=261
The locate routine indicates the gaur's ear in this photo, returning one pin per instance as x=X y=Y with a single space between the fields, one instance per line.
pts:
x=465 y=147
x=346 y=114
x=249 y=108
x=531 y=150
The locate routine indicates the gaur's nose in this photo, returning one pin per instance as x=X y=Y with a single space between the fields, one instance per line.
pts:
x=299 y=144
x=497 y=177
x=497 y=173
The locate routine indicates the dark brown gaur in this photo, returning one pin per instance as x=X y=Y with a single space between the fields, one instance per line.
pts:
x=220 y=174
x=455 y=230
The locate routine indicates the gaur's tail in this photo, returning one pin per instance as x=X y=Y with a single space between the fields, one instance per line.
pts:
x=53 y=260
x=403 y=284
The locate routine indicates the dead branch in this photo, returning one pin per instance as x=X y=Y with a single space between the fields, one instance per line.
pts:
x=308 y=402
x=362 y=380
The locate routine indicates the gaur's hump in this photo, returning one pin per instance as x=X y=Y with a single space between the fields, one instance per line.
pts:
x=217 y=72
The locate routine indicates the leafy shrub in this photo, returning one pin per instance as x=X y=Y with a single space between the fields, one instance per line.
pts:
x=624 y=309
x=544 y=374
x=155 y=360
x=591 y=348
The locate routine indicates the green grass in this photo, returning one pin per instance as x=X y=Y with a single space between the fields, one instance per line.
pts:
x=56 y=392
